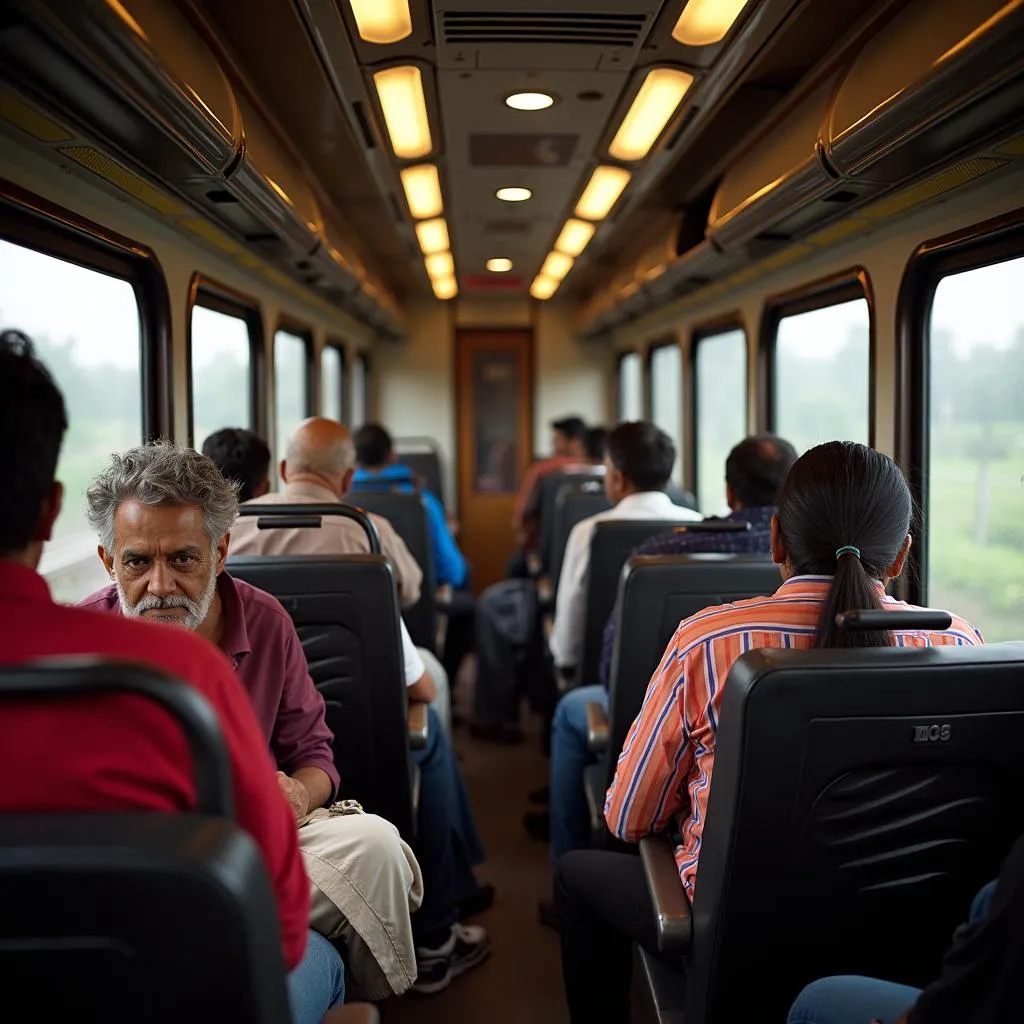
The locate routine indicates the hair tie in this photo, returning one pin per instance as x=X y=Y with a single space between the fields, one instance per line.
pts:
x=847 y=549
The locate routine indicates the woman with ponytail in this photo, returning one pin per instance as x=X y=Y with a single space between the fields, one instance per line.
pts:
x=842 y=532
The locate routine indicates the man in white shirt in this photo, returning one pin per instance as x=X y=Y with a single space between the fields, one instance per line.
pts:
x=638 y=463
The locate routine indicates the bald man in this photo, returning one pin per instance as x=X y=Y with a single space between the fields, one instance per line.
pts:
x=318 y=469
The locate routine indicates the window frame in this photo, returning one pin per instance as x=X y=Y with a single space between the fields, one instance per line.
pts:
x=339 y=346
x=843 y=286
x=979 y=245
x=647 y=387
x=210 y=294
x=732 y=321
x=618 y=382
x=35 y=223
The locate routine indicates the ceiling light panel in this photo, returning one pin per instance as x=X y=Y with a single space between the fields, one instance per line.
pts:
x=400 y=91
x=543 y=287
x=432 y=236
x=556 y=266
x=705 y=22
x=382 y=21
x=574 y=237
x=422 y=187
x=445 y=287
x=602 y=192
x=529 y=101
x=498 y=265
x=652 y=108
x=439 y=265
x=513 y=194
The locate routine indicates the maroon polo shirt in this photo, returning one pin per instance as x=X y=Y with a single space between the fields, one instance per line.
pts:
x=266 y=654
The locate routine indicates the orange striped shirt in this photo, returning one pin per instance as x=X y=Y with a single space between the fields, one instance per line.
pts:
x=664 y=770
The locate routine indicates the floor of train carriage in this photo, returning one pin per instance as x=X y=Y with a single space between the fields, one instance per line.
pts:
x=522 y=978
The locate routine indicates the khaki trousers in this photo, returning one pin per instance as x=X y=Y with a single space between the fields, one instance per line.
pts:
x=365 y=881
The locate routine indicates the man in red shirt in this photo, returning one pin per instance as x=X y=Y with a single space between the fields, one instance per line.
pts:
x=119 y=752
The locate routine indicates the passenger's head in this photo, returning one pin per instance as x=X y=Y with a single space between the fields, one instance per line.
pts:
x=638 y=457
x=755 y=469
x=844 y=512
x=32 y=424
x=594 y=444
x=320 y=452
x=241 y=456
x=373 y=446
x=163 y=515
x=568 y=436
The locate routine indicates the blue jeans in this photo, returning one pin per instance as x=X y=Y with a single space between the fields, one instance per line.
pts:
x=570 y=818
x=448 y=844
x=850 y=999
x=317 y=982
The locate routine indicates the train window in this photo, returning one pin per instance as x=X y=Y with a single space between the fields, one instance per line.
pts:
x=291 y=384
x=360 y=390
x=87 y=329
x=665 y=386
x=221 y=355
x=630 y=388
x=720 y=413
x=974 y=547
x=822 y=374
x=332 y=383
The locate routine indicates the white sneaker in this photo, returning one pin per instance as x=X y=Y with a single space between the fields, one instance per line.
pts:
x=466 y=947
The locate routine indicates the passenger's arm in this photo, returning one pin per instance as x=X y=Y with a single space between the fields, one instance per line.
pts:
x=420 y=686
x=649 y=783
x=259 y=807
x=301 y=741
x=450 y=564
x=567 y=635
x=408 y=573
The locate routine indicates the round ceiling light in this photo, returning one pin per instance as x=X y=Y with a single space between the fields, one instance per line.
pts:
x=499 y=265
x=513 y=194
x=529 y=100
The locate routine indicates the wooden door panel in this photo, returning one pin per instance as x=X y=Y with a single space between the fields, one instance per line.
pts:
x=495 y=444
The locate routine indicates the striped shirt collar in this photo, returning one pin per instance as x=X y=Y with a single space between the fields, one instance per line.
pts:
x=815 y=586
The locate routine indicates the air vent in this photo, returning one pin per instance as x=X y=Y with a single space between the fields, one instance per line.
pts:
x=507 y=227
x=563 y=27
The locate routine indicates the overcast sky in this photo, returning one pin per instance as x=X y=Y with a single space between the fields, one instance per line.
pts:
x=45 y=296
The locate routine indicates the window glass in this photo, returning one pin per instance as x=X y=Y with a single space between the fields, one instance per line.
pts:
x=631 y=391
x=86 y=329
x=822 y=375
x=975 y=487
x=332 y=382
x=290 y=382
x=720 y=369
x=667 y=397
x=221 y=368
x=360 y=383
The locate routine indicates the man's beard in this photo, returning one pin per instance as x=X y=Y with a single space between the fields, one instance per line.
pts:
x=196 y=611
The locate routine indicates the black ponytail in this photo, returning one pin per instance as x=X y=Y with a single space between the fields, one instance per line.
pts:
x=844 y=511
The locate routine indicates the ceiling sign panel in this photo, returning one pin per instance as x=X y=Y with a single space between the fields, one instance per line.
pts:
x=492 y=282
x=499 y=150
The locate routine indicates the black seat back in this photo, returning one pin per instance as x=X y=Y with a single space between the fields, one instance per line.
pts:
x=611 y=545
x=423 y=456
x=407 y=513
x=345 y=611
x=656 y=592
x=574 y=502
x=551 y=486
x=859 y=800
x=137 y=916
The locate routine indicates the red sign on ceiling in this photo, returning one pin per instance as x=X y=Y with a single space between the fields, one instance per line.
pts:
x=492 y=282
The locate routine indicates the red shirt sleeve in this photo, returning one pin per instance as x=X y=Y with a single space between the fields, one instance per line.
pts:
x=261 y=808
x=301 y=738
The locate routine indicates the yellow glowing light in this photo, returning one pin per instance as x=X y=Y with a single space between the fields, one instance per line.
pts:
x=445 y=287
x=543 y=287
x=422 y=191
x=602 y=191
x=432 y=236
x=405 y=110
x=440 y=265
x=704 y=22
x=498 y=265
x=382 y=21
x=655 y=103
x=529 y=101
x=574 y=237
x=513 y=194
x=556 y=266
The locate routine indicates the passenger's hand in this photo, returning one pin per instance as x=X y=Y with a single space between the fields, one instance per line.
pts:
x=296 y=794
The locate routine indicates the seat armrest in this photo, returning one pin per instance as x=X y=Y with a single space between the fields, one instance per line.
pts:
x=671 y=905
x=417 y=724
x=597 y=728
x=353 y=1013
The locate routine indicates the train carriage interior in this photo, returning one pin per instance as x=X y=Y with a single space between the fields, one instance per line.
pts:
x=489 y=228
